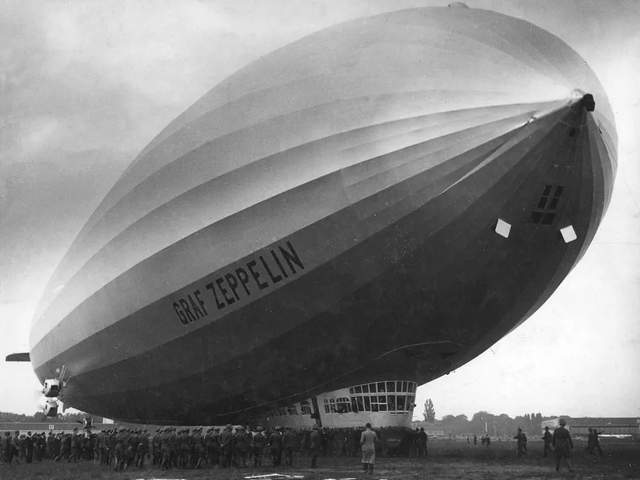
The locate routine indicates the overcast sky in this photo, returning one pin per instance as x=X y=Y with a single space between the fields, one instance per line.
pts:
x=85 y=85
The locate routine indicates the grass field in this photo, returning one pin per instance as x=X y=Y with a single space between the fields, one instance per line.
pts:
x=447 y=460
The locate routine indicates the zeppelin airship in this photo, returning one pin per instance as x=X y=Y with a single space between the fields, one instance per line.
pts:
x=380 y=200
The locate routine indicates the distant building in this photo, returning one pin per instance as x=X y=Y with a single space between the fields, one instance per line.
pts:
x=608 y=426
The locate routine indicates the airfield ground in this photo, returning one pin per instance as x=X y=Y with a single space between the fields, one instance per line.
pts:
x=447 y=460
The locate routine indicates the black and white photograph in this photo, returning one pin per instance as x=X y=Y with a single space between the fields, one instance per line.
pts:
x=319 y=239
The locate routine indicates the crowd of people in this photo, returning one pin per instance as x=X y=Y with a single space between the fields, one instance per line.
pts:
x=170 y=447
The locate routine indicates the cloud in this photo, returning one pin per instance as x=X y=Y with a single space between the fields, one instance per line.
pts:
x=45 y=202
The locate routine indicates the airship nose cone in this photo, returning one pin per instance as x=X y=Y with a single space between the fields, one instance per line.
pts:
x=588 y=102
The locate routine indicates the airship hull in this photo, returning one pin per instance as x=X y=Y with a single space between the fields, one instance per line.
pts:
x=376 y=248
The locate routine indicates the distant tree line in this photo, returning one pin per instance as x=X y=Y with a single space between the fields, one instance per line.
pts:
x=40 y=417
x=494 y=425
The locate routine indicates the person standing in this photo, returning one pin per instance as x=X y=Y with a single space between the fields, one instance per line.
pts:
x=413 y=443
x=74 y=446
x=290 y=444
x=142 y=449
x=590 y=442
x=165 y=449
x=258 y=442
x=562 y=444
x=7 y=448
x=226 y=446
x=521 y=439
x=422 y=443
x=315 y=444
x=28 y=448
x=211 y=443
x=368 y=440
x=596 y=442
x=17 y=446
x=65 y=447
x=242 y=444
x=50 y=452
x=547 y=438
x=275 y=447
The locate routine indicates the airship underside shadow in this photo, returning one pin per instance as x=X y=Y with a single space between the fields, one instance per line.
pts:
x=416 y=298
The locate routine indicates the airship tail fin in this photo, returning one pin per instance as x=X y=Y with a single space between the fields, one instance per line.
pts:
x=18 y=357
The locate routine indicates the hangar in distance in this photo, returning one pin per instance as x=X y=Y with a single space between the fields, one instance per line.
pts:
x=375 y=203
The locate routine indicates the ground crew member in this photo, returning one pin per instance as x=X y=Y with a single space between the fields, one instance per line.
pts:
x=7 y=448
x=130 y=446
x=65 y=447
x=422 y=443
x=354 y=442
x=289 y=443
x=199 y=449
x=547 y=438
x=562 y=444
x=50 y=452
x=28 y=448
x=37 y=447
x=212 y=445
x=593 y=443
x=74 y=442
x=413 y=442
x=590 y=442
x=275 y=447
x=226 y=447
x=521 y=439
x=142 y=449
x=596 y=441
x=241 y=444
x=315 y=444
x=119 y=452
x=258 y=442
x=165 y=449
x=368 y=440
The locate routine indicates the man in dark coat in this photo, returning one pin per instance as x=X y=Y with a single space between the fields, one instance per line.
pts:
x=562 y=444
x=521 y=439
x=28 y=448
x=547 y=438
x=595 y=441
x=275 y=447
x=7 y=448
x=258 y=442
x=315 y=444
x=290 y=445
x=421 y=442
x=226 y=447
x=241 y=446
